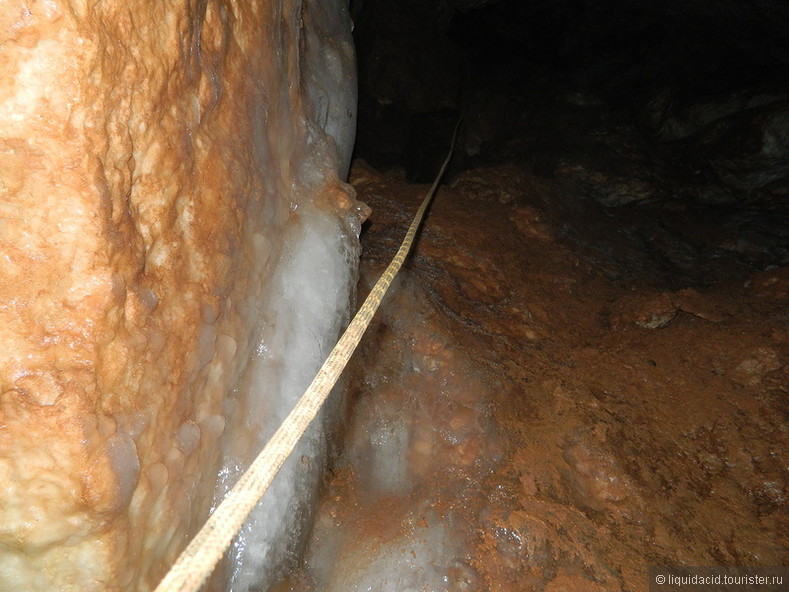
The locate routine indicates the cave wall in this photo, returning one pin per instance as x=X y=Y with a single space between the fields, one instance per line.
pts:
x=170 y=176
x=422 y=63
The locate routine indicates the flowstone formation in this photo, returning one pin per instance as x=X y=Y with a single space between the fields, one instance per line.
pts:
x=178 y=254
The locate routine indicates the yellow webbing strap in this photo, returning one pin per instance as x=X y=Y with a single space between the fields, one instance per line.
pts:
x=198 y=560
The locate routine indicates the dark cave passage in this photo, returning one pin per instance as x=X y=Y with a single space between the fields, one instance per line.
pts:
x=646 y=110
x=584 y=369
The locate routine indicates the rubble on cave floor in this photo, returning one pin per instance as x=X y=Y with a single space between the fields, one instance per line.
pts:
x=557 y=394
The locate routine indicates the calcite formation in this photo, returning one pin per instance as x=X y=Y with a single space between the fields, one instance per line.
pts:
x=164 y=168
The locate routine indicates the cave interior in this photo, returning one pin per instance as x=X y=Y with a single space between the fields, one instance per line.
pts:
x=582 y=371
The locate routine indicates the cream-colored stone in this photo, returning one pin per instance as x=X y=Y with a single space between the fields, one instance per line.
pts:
x=135 y=227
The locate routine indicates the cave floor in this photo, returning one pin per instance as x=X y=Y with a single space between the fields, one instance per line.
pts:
x=556 y=395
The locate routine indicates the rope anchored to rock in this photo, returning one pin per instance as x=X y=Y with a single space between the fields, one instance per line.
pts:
x=198 y=560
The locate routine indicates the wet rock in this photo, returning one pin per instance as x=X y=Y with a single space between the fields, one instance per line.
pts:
x=648 y=311
x=770 y=283
x=576 y=583
x=594 y=474
x=758 y=363
x=745 y=151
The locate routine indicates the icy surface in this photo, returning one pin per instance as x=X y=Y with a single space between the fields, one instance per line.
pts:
x=419 y=560
x=299 y=323
x=305 y=305
x=398 y=514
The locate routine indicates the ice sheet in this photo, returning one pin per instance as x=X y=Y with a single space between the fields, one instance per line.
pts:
x=304 y=303
x=305 y=309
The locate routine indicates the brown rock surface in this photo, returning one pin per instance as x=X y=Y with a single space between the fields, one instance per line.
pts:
x=136 y=229
x=553 y=437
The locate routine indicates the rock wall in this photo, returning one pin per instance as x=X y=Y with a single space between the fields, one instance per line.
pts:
x=169 y=176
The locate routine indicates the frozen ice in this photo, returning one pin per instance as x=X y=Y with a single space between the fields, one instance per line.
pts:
x=303 y=307
x=306 y=308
